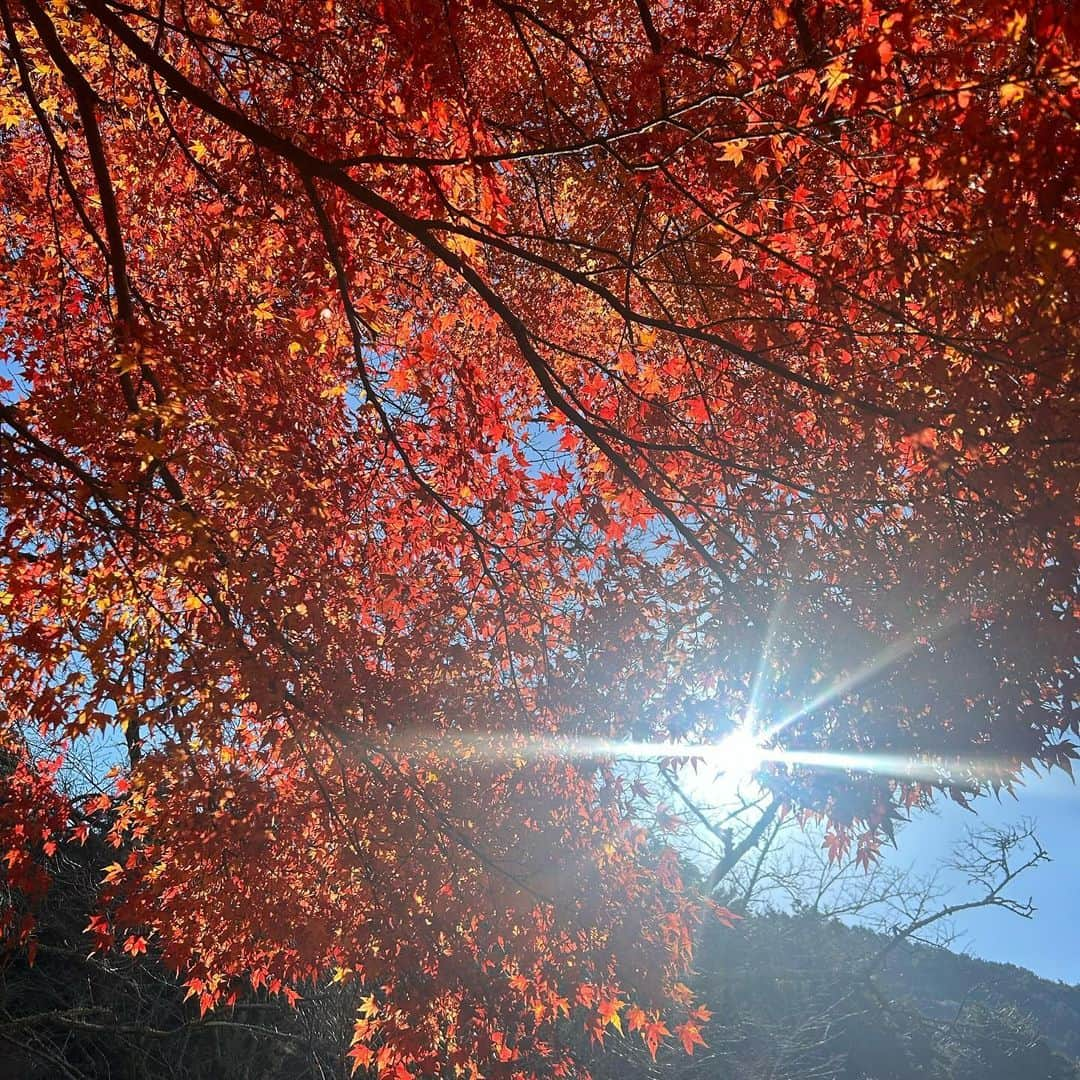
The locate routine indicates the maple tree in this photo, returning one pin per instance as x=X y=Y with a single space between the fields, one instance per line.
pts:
x=392 y=386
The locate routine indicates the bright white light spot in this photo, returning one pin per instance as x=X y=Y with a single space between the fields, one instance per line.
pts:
x=724 y=771
x=739 y=754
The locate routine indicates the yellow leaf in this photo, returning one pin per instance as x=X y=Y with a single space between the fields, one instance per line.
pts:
x=733 y=151
x=609 y=1013
x=835 y=74
x=1016 y=25
x=462 y=245
x=125 y=363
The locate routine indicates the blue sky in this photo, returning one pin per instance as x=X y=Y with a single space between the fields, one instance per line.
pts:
x=1046 y=943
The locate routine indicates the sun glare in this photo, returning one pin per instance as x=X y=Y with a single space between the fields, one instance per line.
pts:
x=739 y=754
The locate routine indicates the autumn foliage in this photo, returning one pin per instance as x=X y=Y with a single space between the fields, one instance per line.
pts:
x=389 y=385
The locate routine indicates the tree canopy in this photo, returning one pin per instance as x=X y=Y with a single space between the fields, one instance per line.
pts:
x=392 y=389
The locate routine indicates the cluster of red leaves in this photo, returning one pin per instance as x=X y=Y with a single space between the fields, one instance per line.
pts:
x=392 y=386
x=34 y=820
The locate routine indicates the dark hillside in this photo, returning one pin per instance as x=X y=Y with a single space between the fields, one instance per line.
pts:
x=791 y=997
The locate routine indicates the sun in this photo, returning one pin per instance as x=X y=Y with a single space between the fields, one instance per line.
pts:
x=738 y=755
x=730 y=766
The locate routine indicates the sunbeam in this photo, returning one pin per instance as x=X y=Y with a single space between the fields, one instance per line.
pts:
x=737 y=756
x=879 y=663
x=740 y=755
x=764 y=661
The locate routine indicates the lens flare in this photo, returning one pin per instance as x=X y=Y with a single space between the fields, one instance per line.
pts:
x=740 y=754
x=884 y=660
x=732 y=761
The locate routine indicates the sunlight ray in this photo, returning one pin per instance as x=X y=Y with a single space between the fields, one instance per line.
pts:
x=764 y=662
x=928 y=768
x=879 y=663
x=737 y=756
